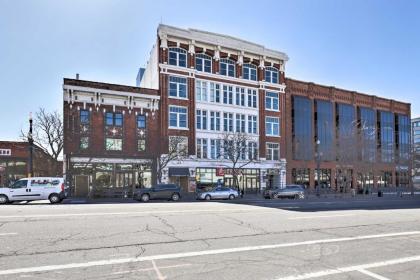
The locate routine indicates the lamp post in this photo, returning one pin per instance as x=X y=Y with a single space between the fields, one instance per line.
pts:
x=318 y=163
x=31 y=147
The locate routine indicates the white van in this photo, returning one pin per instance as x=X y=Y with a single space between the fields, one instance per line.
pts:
x=35 y=188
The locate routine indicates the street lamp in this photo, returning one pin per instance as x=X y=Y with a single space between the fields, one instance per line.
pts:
x=31 y=147
x=318 y=163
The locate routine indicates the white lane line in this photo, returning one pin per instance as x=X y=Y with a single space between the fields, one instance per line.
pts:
x=362 y=267
x=150 y=269
x=198 y=253
x=8 y=233
x=128 y=213
x=158 y=273
x=325 y=216
x=373 y=275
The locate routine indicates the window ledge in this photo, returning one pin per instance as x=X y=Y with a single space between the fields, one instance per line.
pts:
x=179 y=98
x=179 y=128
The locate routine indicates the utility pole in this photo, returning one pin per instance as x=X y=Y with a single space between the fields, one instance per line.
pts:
x=31 y=147
x=318 y=163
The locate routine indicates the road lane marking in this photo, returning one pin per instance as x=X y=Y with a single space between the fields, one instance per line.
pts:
x=199 y=253
x=128 y=213
x=8 y=233
x=359 y=268
x=158 y=273
x=324 y=216
x=373 y=275
x=150 y=269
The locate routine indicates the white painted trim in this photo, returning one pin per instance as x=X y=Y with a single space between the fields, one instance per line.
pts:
x=113 y=92
x=107 y=160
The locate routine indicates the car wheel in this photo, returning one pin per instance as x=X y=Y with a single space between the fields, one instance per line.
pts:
x=208 y=197
x=231 y=197
x=3 y=199
x=175 y=197
x=54 y=198
x=145 y=197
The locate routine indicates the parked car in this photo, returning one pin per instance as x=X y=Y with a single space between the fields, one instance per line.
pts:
x=160 y=191
x=218 y=193
x=35 y=188
x=291 y=191
x=269 y=192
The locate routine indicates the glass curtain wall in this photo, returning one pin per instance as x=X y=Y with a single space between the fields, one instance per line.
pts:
x=386 y=130
x=302 y=128
x=367 y=129
x=324 y=129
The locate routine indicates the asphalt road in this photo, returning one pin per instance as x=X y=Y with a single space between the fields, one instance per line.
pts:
x=263 y=239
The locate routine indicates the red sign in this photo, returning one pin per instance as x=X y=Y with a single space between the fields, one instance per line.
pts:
x=220 y=171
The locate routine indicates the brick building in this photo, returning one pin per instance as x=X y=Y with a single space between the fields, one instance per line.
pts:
x=111 y=137
x=360 y=141
x=14 y=162
x=212 y=85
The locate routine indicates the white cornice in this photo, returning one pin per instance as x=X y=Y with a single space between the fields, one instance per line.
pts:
x=215 y=39
x=112 y=92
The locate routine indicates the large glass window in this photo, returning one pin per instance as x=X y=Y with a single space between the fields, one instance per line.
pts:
x=367 y=130
x=302 y=128
x=215 y=148
x=178 y=57
x=201 y=148
x=300 y=176
x=113 y=119
x=215 y=121
x=228 y=122
x=252 y=124
x=271 y=75
x=177 y=117
x=272 y=101
x=227 y=67
x=252 y=98
x=177 y=87
x=113 y=144
x=386 y=130
x=249 y=72
x=272 y=126
x=252 y=150
x=201 y=116
x=227 y=94
x=240 y=96
x=141 y=121
x=201 y=91
x=346 y=133
x=203 y=62
x=324 y=129
x=240 y=123
x=403 y=139
x=272 y=151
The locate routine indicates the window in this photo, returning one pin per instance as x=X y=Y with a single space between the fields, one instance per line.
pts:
x=240 y=96
x=252 y=98
x=201 y=116
x=227 y=94
x=177 y=117
x=215 y=121
x=252 y=150
x=249 y=72
x=227 y=67
x=141 y=121
x=203 y=63
x=214 y=93
x=272 y=151
x=201 y=91
x=84 y=117
x=215 y=148
x=252 y=124
x=302 y=119
x=113 y=144
x=272 y=101
x=201 y=148
x=228 y=122
x=271 y=75
x=84 y=143
x=272 y=126
x=177 y=87
x=240 y=123
x=178 y=57
x=181 y=144
x=141 y=145
x=113 y=119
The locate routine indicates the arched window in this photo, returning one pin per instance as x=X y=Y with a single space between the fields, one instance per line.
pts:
x=271 y=75
x=227 y=67
x=178 y=57
x=249 y=72
x=203 y=62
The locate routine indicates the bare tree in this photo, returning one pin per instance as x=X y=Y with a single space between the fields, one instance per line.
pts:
x=177 y=150
x=47 y=132
x=239 y=150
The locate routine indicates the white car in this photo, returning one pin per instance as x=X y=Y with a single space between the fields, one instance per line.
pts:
x=35 y=188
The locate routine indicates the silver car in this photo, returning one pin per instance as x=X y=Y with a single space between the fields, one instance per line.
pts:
x=218 y=193
x=290 y=191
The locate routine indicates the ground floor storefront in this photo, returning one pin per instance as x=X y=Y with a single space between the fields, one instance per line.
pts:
x=346 y=179
x=107 y=177
x=195 y=176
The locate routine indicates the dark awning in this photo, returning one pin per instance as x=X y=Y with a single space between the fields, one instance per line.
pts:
x=179 y=171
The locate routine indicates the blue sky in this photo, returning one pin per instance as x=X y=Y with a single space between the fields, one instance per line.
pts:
x=362 y=45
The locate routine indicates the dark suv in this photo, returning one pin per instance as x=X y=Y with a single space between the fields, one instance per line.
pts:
x=160 y=191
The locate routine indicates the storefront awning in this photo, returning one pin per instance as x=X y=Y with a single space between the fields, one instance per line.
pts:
x=179 y=171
